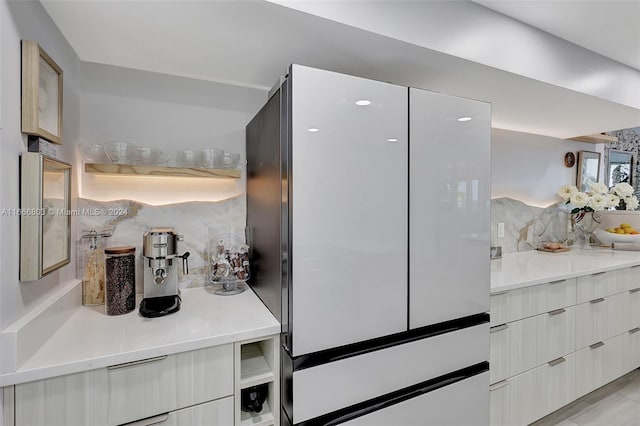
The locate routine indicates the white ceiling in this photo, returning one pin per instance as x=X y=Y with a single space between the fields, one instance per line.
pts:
x=250 y=43
x=610 y=28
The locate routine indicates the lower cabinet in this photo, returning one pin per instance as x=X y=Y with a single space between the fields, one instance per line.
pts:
x=526 y=397
x=542 y=361
x=192 y=388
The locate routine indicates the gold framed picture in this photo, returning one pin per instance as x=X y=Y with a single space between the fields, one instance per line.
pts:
x=41 y=93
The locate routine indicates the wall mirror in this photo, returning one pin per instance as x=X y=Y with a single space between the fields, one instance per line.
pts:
x=45 y=220
x=619 y=167
x=588 y=169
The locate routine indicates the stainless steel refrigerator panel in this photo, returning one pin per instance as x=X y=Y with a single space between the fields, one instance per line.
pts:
x=349 y=209
x=450 y=186
x=264 y=204
x=330 y=387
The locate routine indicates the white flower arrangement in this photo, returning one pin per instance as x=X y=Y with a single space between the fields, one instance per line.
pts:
x=599 y=197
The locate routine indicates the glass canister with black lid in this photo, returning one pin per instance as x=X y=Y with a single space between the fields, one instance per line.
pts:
x=120 y=279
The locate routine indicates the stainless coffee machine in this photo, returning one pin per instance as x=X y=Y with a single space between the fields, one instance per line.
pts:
x=159 y=251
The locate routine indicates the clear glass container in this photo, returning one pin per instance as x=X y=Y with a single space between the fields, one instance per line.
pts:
x=229 y=264
x=91 y=264
x=120 y=280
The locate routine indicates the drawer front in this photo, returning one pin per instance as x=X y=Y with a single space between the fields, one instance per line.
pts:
x=164 y=384
x=73 y=400
x=556 y=334
x=601 y=318
x=219 y=413
x=599 y=364
x=529 y=301
x=359 y=378
x=440 y=407
x=605 y=284
x=634 y=307
x=524 y=398
x=628 y=278
x=513 y=348
x=631 y=350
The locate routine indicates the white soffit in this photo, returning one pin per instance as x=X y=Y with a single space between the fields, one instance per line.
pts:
x=251 y=43
x=468 y=30
x=610 y=28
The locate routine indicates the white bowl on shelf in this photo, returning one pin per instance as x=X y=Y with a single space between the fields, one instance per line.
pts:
x=609 y=237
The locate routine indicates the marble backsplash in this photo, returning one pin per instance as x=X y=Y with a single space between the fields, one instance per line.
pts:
x=131 y=219
x=525 y=225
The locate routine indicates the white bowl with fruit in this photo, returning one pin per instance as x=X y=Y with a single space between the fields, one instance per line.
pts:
x=623 y=233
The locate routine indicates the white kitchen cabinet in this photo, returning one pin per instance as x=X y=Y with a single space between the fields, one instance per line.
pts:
x=594 y=327
x=73 y=400
x=599 y=364
x=602 y=284
x=528 y=396
x=529 y=301
x=190 y=388
x=160 y=385
x=601 y=318
x=218 y=412
x=521 y=345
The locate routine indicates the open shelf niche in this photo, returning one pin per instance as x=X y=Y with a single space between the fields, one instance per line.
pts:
x=257 y=362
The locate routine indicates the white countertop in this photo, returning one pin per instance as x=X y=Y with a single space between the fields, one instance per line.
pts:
x=90 y=339
x=523 y=269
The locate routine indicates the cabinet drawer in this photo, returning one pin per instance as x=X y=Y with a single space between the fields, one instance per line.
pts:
x=604 y=284
x=599 y=364
x=521 y=345
x=160 y=385
x=219 y=413
x=634 y=307
x=601 y=318
x=526 y=302
x=524 y=398
x=631 y=350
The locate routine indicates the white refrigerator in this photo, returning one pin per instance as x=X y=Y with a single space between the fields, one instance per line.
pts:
x=368 y=207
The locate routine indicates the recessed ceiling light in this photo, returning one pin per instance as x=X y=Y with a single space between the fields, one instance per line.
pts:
x=392 y=140
x=464 y=118
x=312 y=130
x=363 y=102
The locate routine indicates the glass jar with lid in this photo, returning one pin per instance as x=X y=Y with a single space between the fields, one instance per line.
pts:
x=120 y=279
x=91 y=262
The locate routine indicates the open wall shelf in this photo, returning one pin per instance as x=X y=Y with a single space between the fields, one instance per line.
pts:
x=164 y=171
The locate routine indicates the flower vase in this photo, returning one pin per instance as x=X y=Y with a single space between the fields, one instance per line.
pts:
x=584 y=225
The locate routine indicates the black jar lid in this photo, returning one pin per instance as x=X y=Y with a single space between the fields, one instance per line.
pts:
x=120 y=250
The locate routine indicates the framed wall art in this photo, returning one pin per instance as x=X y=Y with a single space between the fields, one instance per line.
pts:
x=588 y=169
x=41 y=93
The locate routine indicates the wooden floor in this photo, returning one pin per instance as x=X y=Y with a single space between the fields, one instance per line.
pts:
x=616 y=404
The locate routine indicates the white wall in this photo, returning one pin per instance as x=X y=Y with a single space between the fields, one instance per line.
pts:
x=28 y=20
x=530 y=168
x=166 y=112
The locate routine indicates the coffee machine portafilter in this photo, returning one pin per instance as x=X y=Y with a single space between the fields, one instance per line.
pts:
x=160 y=255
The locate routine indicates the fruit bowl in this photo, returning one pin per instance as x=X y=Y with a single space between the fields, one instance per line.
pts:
x=609 y=237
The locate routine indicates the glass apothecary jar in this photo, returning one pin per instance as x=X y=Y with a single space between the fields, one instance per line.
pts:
x=229 y=265
x=91 y=262
x=120 y=280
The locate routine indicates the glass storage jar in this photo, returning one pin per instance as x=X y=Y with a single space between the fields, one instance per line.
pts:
x=120 y=279
x=92 y=266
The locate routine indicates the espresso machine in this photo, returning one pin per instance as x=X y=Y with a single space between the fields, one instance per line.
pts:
x=161 y=293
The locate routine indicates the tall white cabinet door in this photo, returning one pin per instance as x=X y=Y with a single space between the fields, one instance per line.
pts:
x=349 y=197
x=449 y=156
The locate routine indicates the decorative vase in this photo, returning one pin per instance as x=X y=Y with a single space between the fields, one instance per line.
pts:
x=584 y=225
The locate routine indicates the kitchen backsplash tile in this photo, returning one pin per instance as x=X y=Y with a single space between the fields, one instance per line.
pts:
x=131 y=219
